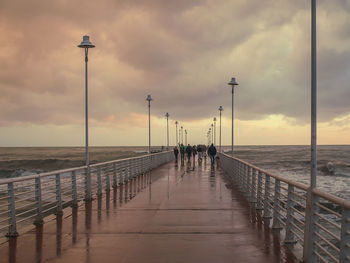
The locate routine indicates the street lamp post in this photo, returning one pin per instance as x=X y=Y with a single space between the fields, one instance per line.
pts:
x=185 y=137
x=232 y=83
x=209 y=136
x=179 y=136
x=182 y=135
x=310 y=218
x=167 y=130
x=176 y=123
x=220 y=109
x=86 y=44
x=214 y=131
x=149 y=99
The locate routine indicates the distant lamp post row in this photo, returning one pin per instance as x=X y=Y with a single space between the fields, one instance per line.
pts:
x=86 y=44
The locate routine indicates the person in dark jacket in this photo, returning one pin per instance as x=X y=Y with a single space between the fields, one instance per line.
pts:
x=182 y=152
x=194 y=151
x=212 y=153
x=176 y=152
x=189 y=152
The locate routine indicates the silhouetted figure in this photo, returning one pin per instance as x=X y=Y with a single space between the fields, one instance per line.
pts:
x=189 y=152
x=194 y=151
x=212 y=153
x=200 y=153
x=204 y=149
x=182 y=152
x=176 y=153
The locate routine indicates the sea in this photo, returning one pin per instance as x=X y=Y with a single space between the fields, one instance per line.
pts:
x=293 y=162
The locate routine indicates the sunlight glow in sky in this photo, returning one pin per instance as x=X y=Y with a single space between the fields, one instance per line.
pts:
x=183 y=53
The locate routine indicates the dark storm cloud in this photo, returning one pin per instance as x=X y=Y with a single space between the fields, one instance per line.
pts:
x=181 y=52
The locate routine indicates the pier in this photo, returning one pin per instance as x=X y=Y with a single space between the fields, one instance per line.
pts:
x=152 y=209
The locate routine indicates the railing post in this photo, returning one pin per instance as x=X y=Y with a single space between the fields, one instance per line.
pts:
x=249 y=185
x=59 y=211
x=129 y=170
x=137 y=161
x=99 y=182
x=310 y=228
x=74 y=190
x=12 y=230
x=267 y=210
x=150 y=163
x=114 y=176
x=39 y=217
x=244 y=178
x=289 y=239
x=247 y=179
x=259 y=193
x=134 y=164
x=345 y=237
x=108 y=180
x=241 y=176
x=253 y=189
x=234 y=174
x=142 y=166
x=125 y=169
x=120 y=172
x=88 y=195
x=276 y=216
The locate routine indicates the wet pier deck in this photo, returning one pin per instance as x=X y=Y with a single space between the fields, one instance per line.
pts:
x=186 y=215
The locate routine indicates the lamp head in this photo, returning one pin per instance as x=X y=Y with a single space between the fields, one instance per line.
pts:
x=176 y=123
x=149 y=98
x=233 y=82
x=214 y=118
x=86 y=43
x=221 y=108
x=167 y=115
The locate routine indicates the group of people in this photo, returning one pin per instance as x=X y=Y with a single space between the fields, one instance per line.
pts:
x=201 y=150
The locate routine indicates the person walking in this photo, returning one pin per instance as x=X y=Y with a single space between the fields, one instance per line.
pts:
x=212 y=153
x=182 y=152
x=176 y=153
x=204 y=150
x=189 y=152
x=200 y=152
x=194 y=151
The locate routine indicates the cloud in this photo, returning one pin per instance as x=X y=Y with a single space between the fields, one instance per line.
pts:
x=181 y=52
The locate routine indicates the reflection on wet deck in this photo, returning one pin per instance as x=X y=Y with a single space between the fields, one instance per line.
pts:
x=180 y=212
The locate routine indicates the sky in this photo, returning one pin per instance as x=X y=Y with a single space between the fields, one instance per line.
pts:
x=181 y=52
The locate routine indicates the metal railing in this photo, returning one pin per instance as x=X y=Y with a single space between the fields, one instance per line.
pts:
x=316 y=221
x=28 y=199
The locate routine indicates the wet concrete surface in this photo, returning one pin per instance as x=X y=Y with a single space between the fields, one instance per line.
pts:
x=177 y=213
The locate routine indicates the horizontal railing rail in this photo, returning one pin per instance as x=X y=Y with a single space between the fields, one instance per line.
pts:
x=28 y=199
x=323 y=232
